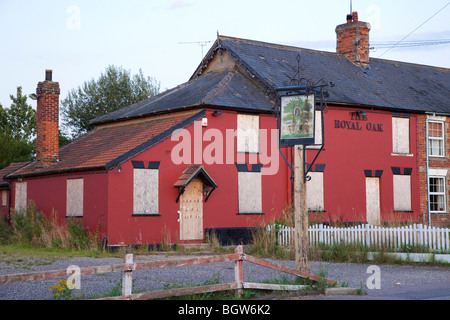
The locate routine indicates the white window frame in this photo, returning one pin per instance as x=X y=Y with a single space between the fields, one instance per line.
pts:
x=75 y=197
x=145 y=191
x=436 y=139
x=439 y=193
x=248 y=133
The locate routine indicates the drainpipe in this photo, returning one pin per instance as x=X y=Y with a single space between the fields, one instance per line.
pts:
x=428 y=167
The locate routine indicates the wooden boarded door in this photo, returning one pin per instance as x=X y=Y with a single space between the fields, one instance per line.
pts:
x=191 y=208
x=373 y=201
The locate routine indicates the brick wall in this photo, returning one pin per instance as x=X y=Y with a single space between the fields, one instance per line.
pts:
x=437 y=219
x=353 y=40
x=47 y=126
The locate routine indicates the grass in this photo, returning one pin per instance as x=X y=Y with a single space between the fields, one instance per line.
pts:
x=31 y=231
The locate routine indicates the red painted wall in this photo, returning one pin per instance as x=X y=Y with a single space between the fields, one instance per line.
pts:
x=220 y=211
x=49 y=195
x=108 y=196
x=348 y=152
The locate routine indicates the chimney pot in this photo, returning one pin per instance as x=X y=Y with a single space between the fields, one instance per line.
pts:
x=349 y=18
x=355 y=16
x=48 y=75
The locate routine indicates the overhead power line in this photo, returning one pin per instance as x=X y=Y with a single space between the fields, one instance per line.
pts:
x=395 y=45
x=407 y=44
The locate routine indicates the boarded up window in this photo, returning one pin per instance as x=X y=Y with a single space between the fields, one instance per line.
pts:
x=373 y=210
x=75 y=194
x=4 y=195
x=21 y=196
x=314 y=191
x=146 y=191
x=247 y=133
x=250 y=200
x=400 y=135
x=318 y=140
x=402 y=192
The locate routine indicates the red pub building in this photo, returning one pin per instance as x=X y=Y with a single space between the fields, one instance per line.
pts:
x=204 y=155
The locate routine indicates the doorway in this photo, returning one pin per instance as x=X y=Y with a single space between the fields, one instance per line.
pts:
x=191 y=211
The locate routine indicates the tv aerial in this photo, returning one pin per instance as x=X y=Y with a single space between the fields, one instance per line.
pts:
x=200 y=43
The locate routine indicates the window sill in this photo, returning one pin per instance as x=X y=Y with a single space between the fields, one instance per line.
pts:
x=402 y=154
x=403 y=211
x=249 y=213
x=146 y=215
x=74 y=217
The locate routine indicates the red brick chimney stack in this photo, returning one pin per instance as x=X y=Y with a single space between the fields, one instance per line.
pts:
x=353 y=40
x=47 y=126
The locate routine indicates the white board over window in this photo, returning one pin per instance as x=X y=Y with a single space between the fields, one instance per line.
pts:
x=75 y=195
x=146 y=190
x=21 y=196
x=402 y=192
x=400 y=135
x=314 y=191
x=247 y=133
x=250 y=200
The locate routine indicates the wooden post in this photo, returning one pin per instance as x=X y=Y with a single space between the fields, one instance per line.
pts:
x=301 y=238
x=239 y=271
x=127 y=279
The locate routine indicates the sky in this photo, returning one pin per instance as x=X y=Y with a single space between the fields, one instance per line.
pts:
x=79 y=39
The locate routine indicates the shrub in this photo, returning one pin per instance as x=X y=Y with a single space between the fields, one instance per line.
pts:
x=32 y=228
x=5 y=231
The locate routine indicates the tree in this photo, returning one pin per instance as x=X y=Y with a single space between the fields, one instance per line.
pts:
x=114 y=89
x=17 y=130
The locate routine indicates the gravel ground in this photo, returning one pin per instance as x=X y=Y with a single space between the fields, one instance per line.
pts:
x=351 y=274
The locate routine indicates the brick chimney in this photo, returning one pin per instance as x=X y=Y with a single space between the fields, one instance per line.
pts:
x=353 y=40
x=47 y=125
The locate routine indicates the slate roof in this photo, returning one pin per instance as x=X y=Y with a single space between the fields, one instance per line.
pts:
x=8 y=170
x=387 y=84
x=228 y=89
x=392 y=85
x=248 y=86
x=107 y=146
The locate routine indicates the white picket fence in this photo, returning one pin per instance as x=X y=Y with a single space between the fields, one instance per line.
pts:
x=431 y=238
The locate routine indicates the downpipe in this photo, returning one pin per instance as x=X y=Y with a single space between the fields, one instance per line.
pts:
x=428 y=166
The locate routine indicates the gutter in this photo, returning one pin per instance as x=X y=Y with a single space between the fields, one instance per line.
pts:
x=54 y=172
